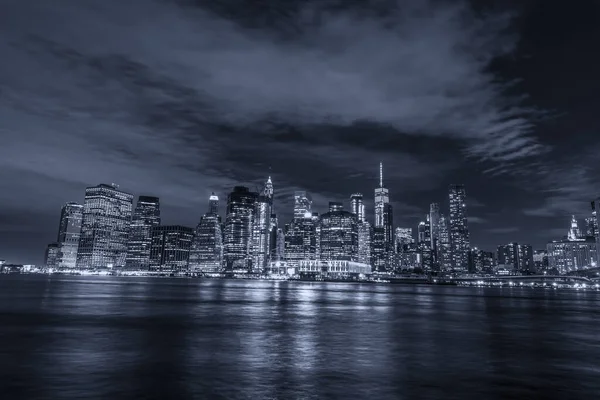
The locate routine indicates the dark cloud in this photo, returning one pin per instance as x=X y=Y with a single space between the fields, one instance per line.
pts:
x=182 y=98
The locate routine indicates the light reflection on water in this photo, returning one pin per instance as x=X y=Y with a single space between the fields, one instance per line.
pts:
x=74 y=338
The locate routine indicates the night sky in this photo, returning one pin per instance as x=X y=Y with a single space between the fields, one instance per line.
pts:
x=179 y=98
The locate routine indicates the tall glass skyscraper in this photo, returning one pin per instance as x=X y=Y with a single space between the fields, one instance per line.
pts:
x=383 y=209
x=69 y=231
x=51 y=255
x=365 y=235
x=357 y=206
x=444 y=251
x=459 y=229
x=170 y=248
x=105 y=227
x=238 y=227
x=595 y=226
x=301 y=240
x=145 y=217
x=434 y=224
x=206 y=254
x=339 y=234
x=261 y=229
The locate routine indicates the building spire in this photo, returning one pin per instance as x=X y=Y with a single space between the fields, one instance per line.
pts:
x=381 y=174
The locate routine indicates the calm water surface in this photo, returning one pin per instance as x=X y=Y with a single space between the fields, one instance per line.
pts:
x=141 y=338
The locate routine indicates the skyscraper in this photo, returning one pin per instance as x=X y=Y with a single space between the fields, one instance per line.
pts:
x=145 y=216
x=365 y=234
x=339 y=234
x=424 y=232
x=574 y=232
x=434 y=223
x=69 y=231
x=213 y=204
x=104 y=227
x=51 y=256
x=301 y=239
x=357 y=206
x=383 y=209
x=261 y=228
x=206 y=253
x=170 y=248
x=444 y=250
x=459 y=230
x=238 y=227
x=595 y=224
x=302 y=205
x=516 y=257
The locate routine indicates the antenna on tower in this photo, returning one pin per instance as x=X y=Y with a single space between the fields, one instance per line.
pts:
x=381 y=174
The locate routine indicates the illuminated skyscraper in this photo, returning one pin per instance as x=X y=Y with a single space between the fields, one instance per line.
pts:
x=424 y=232
x=357 y=206
x=206 y=254
x=301 y=240
x=444 y=250
x=339 y=234
x=104 y=227
x=261 y=229
x=434 y=223
x=213 y=204
x=145 y=217
x=69 y=231
x=51 y=256
x=594 y=223
x=383 y=209
x=459 y=230
x=170 y=248
x=277 y=241
x=365 y=234
x=238 y=227
x=516 y=257
x=302 y=205
x=383 y=234
x=574 y=233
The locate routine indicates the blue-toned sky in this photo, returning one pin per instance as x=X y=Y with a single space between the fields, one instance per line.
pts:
x=179 y=98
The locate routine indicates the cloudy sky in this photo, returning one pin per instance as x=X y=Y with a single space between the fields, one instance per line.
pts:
x=179 y=98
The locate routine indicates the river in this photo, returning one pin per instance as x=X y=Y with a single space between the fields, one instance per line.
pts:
x=115 y=338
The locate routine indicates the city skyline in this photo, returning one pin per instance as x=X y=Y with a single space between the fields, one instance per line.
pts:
x=147 y=210
x=137 y=106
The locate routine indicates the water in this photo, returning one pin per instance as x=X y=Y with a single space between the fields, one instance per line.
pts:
x=142 y=338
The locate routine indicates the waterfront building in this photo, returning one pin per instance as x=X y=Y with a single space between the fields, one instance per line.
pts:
x=333 y=269
x=338 y=234
x=69 y=232
x=261 y=233
x=444 y=254
x=573 y=253
x=459 y=229
x=301 y=239
x=51 y=256
x=206 y=253
x=104 y=227
x=434 y=224
x=481 y=261
x=383 y=210
x=238 y=228
x=145 y=217
x=170 y=248
x=516 y=257
x=365 y=234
